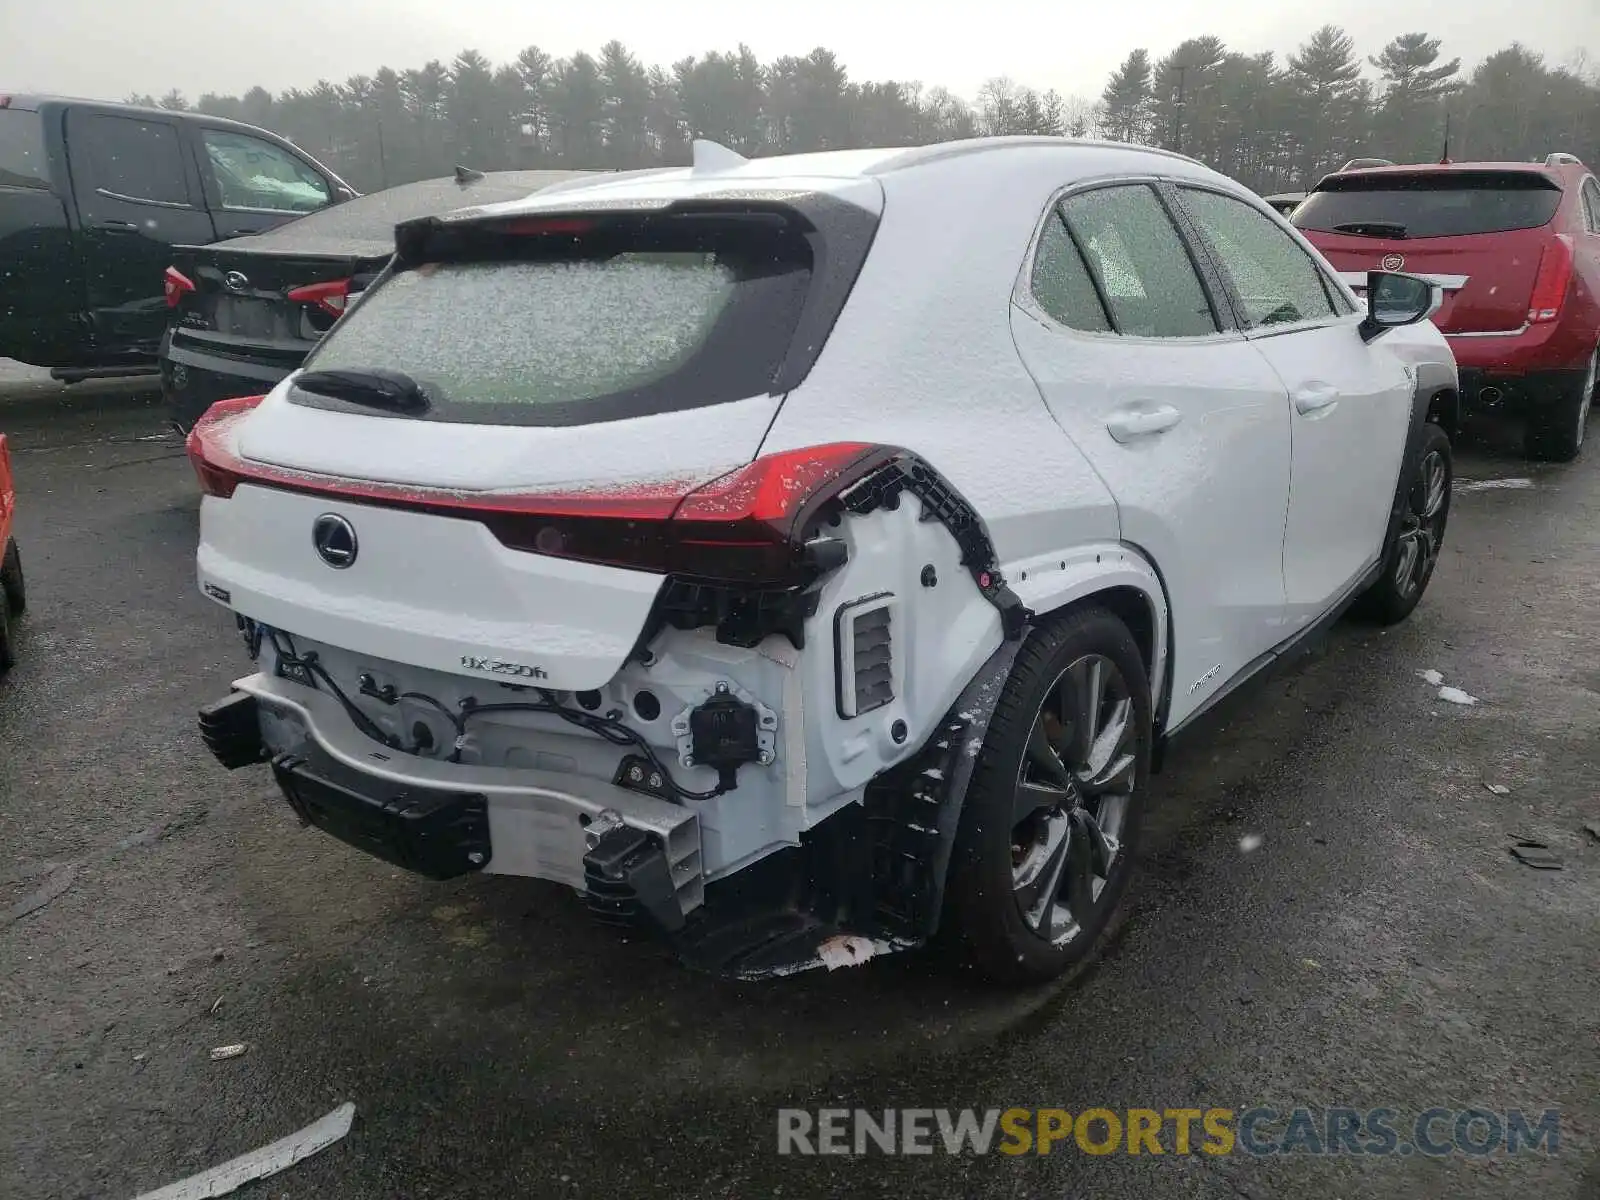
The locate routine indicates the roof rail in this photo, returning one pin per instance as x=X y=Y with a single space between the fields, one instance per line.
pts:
x=1361 y=164
x=1561 y=159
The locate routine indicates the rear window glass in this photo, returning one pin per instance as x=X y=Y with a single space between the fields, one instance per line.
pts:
x=22 y=150
x=551 y=331
x=1437 y=204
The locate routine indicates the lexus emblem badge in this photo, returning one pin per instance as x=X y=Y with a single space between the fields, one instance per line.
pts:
x=1393 y=262
x=335 y=540
x=235 y=281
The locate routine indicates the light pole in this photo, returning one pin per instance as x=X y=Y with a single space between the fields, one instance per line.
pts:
x=1177 y=113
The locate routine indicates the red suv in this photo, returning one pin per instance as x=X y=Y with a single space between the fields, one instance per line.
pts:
x=1515 y=247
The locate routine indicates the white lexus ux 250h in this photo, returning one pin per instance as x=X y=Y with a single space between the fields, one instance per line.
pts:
x=808 y=556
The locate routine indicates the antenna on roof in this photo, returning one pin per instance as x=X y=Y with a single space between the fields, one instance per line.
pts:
x=710 y=157
x=1444 y=159
x=465 y=175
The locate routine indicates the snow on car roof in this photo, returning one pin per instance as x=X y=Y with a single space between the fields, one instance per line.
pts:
x=719 y=171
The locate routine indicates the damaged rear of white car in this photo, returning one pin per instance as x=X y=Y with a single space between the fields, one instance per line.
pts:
x=700 y=541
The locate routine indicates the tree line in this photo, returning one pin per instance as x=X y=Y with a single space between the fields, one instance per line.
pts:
x=1276 y=126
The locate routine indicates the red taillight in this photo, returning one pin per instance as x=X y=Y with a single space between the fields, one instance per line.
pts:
x=176 y=285
x=210 y=446
x=331 y=297
x=1550 y=285
x=746 y=526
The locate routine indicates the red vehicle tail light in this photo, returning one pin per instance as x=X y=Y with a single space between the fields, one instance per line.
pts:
x=1550 y=285
x=176 y=285
x=210 y=446
x=746 y=526
x=331 y=297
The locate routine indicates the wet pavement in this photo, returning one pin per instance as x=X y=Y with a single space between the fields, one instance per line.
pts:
x=1380 y=948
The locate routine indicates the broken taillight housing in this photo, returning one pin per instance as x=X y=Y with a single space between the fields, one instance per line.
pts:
x=749 y=526
x=1550 y=284
x=175 y=285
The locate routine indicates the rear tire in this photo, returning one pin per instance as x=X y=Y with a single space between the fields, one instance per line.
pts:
x=11 y=578
x=1031 y=897
x=1412 y=554
x=1555 y=433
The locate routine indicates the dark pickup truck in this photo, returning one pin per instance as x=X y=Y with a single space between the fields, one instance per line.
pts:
x=93 y=196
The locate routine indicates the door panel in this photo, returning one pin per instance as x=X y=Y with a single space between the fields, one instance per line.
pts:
x=137 y=197
x=1190 y=433
x=1350 y=401
x=1351 y=404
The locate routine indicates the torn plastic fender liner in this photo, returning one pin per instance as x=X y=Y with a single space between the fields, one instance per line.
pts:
x=904 y=471
x=914 y=809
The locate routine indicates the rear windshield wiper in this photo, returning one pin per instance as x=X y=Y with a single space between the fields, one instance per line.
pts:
x=1384 y=229
x=374 y=388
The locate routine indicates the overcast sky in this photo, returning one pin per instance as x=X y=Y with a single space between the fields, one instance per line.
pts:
x=108 y=48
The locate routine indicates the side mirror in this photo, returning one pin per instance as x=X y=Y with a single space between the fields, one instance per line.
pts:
x=1395 y=300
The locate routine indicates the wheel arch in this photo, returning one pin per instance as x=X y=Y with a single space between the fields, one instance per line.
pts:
x=924 y=794
x=1444 y=410
x=1119 y=577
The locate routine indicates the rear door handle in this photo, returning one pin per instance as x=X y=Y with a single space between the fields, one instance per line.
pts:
x=1314 y=398
x=1128 y=424
x=118 y=224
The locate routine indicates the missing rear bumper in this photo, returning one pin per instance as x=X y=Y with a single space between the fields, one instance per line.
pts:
x=438 y=834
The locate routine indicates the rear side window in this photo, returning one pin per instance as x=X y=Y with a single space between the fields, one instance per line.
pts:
x=137 y=159
x=22 y=150
x=1139 y=262
x=1276 y=281
x=1061 y=283
x=557 y=329
x=1430 y=204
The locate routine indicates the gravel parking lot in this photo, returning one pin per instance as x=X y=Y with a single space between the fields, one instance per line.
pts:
x=1381 y=947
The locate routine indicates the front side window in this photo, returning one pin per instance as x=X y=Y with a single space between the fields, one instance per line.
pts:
x=136 y=159
x=1591 y=205
x=1277 y=281
x=1139 y=263
x=251 y=173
